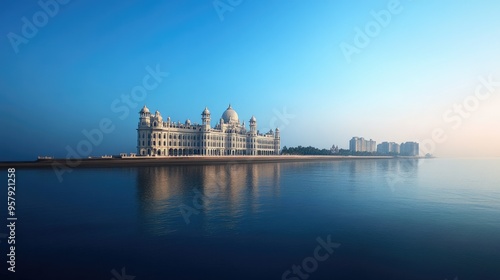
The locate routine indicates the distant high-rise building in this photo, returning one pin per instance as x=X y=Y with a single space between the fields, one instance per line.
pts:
x=383 y=148
x=395 y=148
x=410 y=149
x=355 y=144
x=359 y=144
x=388 y=148
x=371 y=146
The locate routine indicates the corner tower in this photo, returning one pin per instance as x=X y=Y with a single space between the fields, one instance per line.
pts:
x=143 y=131
x=205 y=118
x=277 y=141
x=252 y=139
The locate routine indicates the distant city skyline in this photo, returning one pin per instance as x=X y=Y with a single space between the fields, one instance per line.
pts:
x=408 y=148
x=321 y=73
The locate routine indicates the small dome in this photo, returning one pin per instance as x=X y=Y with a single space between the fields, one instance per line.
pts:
x=253 y=119
x=188 y=122
x=144 y=110
x=205 y=112
x=230 y=115
x=157 y=113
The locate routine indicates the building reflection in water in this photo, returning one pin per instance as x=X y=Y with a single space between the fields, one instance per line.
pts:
x=400 y=170
x=213 y=197
x=404 y=167
x=384 y=173
x=221 y=198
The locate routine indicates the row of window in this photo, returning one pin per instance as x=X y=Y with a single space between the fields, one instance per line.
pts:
x=205 y=137
x=208 y=144
x=183 y=152
x=170 y=136
x=171 y=143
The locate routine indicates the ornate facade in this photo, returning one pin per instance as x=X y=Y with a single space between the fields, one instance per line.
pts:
x=159 y=137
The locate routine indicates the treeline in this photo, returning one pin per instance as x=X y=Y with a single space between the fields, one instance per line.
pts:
x=325 y=152
x=305 y=151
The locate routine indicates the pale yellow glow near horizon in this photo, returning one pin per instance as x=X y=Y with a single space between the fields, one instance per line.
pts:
x=478 y=135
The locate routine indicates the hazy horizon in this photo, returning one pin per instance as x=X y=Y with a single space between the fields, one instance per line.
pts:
x=322 y=72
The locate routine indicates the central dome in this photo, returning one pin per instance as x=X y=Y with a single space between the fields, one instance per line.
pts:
x=230 y=115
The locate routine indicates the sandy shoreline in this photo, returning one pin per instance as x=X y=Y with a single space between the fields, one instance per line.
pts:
x=182 y=160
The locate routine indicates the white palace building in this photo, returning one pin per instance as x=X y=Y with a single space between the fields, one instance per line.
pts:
x=157 y=137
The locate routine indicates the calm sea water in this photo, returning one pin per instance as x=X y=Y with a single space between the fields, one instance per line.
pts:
x=359 y=219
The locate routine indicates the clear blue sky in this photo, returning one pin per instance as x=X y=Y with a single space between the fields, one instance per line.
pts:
x=263 y=57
